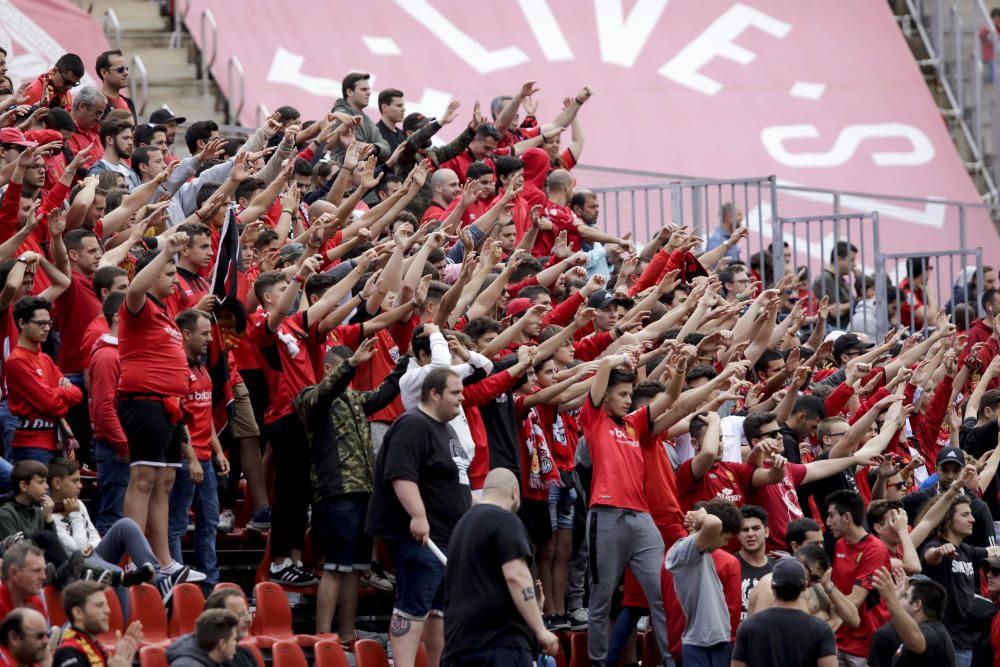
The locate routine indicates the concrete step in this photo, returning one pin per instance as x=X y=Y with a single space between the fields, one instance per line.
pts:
x=133 y=14
x=133 y=40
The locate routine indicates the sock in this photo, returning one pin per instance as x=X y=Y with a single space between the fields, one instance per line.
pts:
x=275 y=567
x=170 y=569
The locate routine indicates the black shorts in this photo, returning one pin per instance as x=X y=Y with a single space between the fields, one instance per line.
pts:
x=535 y=517
x=339 y=533
x=153 y=439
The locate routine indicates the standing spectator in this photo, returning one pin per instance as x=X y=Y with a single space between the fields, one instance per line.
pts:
x=754 y=562
x=445 y=186
x=730 y=218
x=113 y=73
x=418 y=498
x=392 y=109
x=38 y=394
x=89 y=106
x=784 y=634
x=165 y=117
x=356 y=88
x=116 y=140
x=987 y=41
x=706 y=640
x=24 y=639
x=52 y=88
x=859 y=555
x=917 y=305
x=213 y=643
x=492 y=614
x=916 y=636
x=88 y=612
x=835 y=283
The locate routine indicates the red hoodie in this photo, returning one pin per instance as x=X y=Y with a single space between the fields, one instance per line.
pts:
x=102 y=387
x=536 y=168
x=36 y=398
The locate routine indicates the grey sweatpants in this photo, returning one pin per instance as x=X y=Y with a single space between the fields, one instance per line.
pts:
x=616 y=538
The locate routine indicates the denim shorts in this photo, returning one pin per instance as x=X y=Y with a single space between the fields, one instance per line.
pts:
x=562 y=506
x=339 y=533
x=419 y=582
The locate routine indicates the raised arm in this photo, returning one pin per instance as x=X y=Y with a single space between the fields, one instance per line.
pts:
x=135 y=295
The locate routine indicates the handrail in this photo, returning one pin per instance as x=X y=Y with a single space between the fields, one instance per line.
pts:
x=111 y=20
x=261 y=114
x=234 y=63
x=179 y=18
x=209 y=17
x=138 y=85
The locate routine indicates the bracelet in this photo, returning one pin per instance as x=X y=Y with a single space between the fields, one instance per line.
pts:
x=287 y=210
x=299 y=279
x=617 y=331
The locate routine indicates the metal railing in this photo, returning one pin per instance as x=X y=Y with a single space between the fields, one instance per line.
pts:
x=234 y=65
x=113 y=27
x=928 y=282
x=138 y=85
x=177 y=36
x=205 y=62
x=261 y=114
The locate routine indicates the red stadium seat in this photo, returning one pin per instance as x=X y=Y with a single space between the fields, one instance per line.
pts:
x=53 y=602
x=578 y=655
x=273 y=620
x=146 y=606
x=650 y=651
x=153 y=656
x=264 y=567
x=187 y=604
x=257 y=655
x=421 y=660
x=116 y=623
x=329 y=654
x=288 y=654
x=369 y=653
x=231 y=585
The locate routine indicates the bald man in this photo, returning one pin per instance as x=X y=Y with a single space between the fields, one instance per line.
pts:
x=24 y=639
x=492 y=613
x=445 y=186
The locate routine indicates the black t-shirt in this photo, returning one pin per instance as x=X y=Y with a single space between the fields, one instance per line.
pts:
x=887 y=648
x=479 y=610
x=778 y=636
x=418 y=448
x=501 y=425
x=982 y=529
x=821 y=488
x=959 y=576
x=977 y=440
x=749 y=576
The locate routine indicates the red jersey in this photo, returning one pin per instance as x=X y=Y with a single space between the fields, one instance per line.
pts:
x=152 y=352
x=661 y=486
x=725 y=479
x=854 y=565
x=35 y=397
x=388 y=348
x=782 y=505
x=97 y=328
x=616 y=450
x=434 y=212
x=75 y=309
x=197 y=406
x=84 y=137
x=906 y=308
x=286 y=360
x=102 y=389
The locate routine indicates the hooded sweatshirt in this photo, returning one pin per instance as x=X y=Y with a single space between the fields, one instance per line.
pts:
x=27 y=519
x=185 y=652
x=105 y=369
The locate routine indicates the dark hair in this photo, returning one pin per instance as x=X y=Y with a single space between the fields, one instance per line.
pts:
x=193 y=229
x=341 y=351
x=187 y=319
x=265 y=238
x=476 y=170
x=213 y=626
x=814 y=554
x=812 y=406
x=199 y=131
x=797 y=529
x=531 y=291
x=386 y=97
x=318 y=284
x=419 y=342
x=505 y=166
x=351 y=80
x=620 y=376
x=73 y=240
x=59 y=119
x=941 y=530
x=217 y=598
x=141 y=155
x=104 y=278
x=265 y=282
x=766 y=357
x=991 y=399
x=246 y=189
x=61 y=467
x=647 y=389
x=25 y=471
x=482 y=325
x=70 y=62
x=436 y=380
x=842 y=249
x=932 y=595
x=14 y=621
x=143 y=259
x=112 y=305
x=26 y=307
x=754 y=422
x=287 y=113
x=104 y=62
x=111 y=128
x=727 y=512
x=754 y=512
x=879 y=508
x=700 y=371
x=488 y=130
x=847 y=502
x=143 y=135
x=77 y=594
x=891 y=294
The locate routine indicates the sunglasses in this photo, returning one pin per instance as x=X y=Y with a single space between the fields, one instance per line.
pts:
x=993 y=571
x=121 y=69
x=45 y=324
x=771 y=434
x=899 y=486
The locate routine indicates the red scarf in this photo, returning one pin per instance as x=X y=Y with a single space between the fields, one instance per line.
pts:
x=541 y=472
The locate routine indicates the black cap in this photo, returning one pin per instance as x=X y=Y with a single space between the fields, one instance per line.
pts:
x=602 y=298
x=951 y=455
x=415 y=121
x=788 y=572
x=165 y=115
x=850 y=341
x=59 y=119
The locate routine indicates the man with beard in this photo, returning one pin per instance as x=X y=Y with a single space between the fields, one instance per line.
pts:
x=116 y=138
x=89 y=613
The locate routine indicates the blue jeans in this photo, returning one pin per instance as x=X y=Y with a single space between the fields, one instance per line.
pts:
x=419 y=582
x=963 y=657
x=204 y=500
x=33 y=454
x=112 y=482
x=122 y=539
x=625 y=623
x=719 y=655
x=5 y=468
x=8 y=424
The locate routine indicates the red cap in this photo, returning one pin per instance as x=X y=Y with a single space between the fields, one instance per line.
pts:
x=518 y=306
x=12 y=135
x=43 y=136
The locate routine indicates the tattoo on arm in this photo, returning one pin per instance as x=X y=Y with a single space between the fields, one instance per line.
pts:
x=528 y=593
x=399 y=626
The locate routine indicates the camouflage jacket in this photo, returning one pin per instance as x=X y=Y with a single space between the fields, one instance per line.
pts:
x=336 y=424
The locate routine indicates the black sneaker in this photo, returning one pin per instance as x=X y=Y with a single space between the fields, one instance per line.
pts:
x=141 y=575
x=168 y=581
x=69 y=571
x=557 y=622
x=293 y=575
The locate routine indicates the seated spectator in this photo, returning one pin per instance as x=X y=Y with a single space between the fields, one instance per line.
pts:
x=212 y=644
x=88 y=611
x=233 y=600
x=24 y=575
x=24 y=639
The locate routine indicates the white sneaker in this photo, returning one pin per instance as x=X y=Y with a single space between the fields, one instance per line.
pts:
x=226 y=521
x=193 y=575
x=642 y=625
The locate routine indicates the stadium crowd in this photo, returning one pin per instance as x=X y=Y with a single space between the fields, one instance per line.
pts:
x=526 y=413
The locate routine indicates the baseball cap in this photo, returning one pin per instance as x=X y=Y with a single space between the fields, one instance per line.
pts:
x=602 y=298
x=850 y=341
x=415 y=121
x=290 y=253
x=43 y=136
x=990 y=563
x=951 y=455
x=788 y=572
x=12 y=135
x=518 y=306
x=165 y=115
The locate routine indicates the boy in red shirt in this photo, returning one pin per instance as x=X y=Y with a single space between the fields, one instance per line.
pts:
x=38 y=394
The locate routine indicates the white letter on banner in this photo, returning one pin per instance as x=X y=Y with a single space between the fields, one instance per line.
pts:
x=921 y=151
x=286 y=67
x=717 y=40
x=462 y=45
x=551 y=40
x=622 y=39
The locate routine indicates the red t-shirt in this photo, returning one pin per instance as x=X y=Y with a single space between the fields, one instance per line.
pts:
x=75 y=310
x=616 y=450
x=198 y=410
x=97 y=328
x=661 y=485
x=781 y=503
x=31 y=602
x=854 y=565
x=152 y=352
x=286 y=360
x=435 y=211
x=370 y=375
x=102 y=386
x=35 y=397
x=725 y=479
x=84 y=137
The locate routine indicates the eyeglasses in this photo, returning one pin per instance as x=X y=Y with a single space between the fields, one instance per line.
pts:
x=121 y=69
x=45 y=324
x=836 y=435
x=68 y=81
x=899 y=486
x=771 y=434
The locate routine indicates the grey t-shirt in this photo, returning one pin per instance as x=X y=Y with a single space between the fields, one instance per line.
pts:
x=700 y=594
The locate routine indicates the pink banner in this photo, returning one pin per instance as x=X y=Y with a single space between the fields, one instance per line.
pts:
x=821 y=94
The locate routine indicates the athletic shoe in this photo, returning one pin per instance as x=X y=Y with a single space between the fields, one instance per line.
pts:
x=261 y=520
x=373 y=579
x=11 y=540
x=69 y=571
x=292 y=575
x=578 y=619
x=193 y=576
x=226 y=521
x=379 y=569
x=166 y=582
x=141 y=575
x=642 y=625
